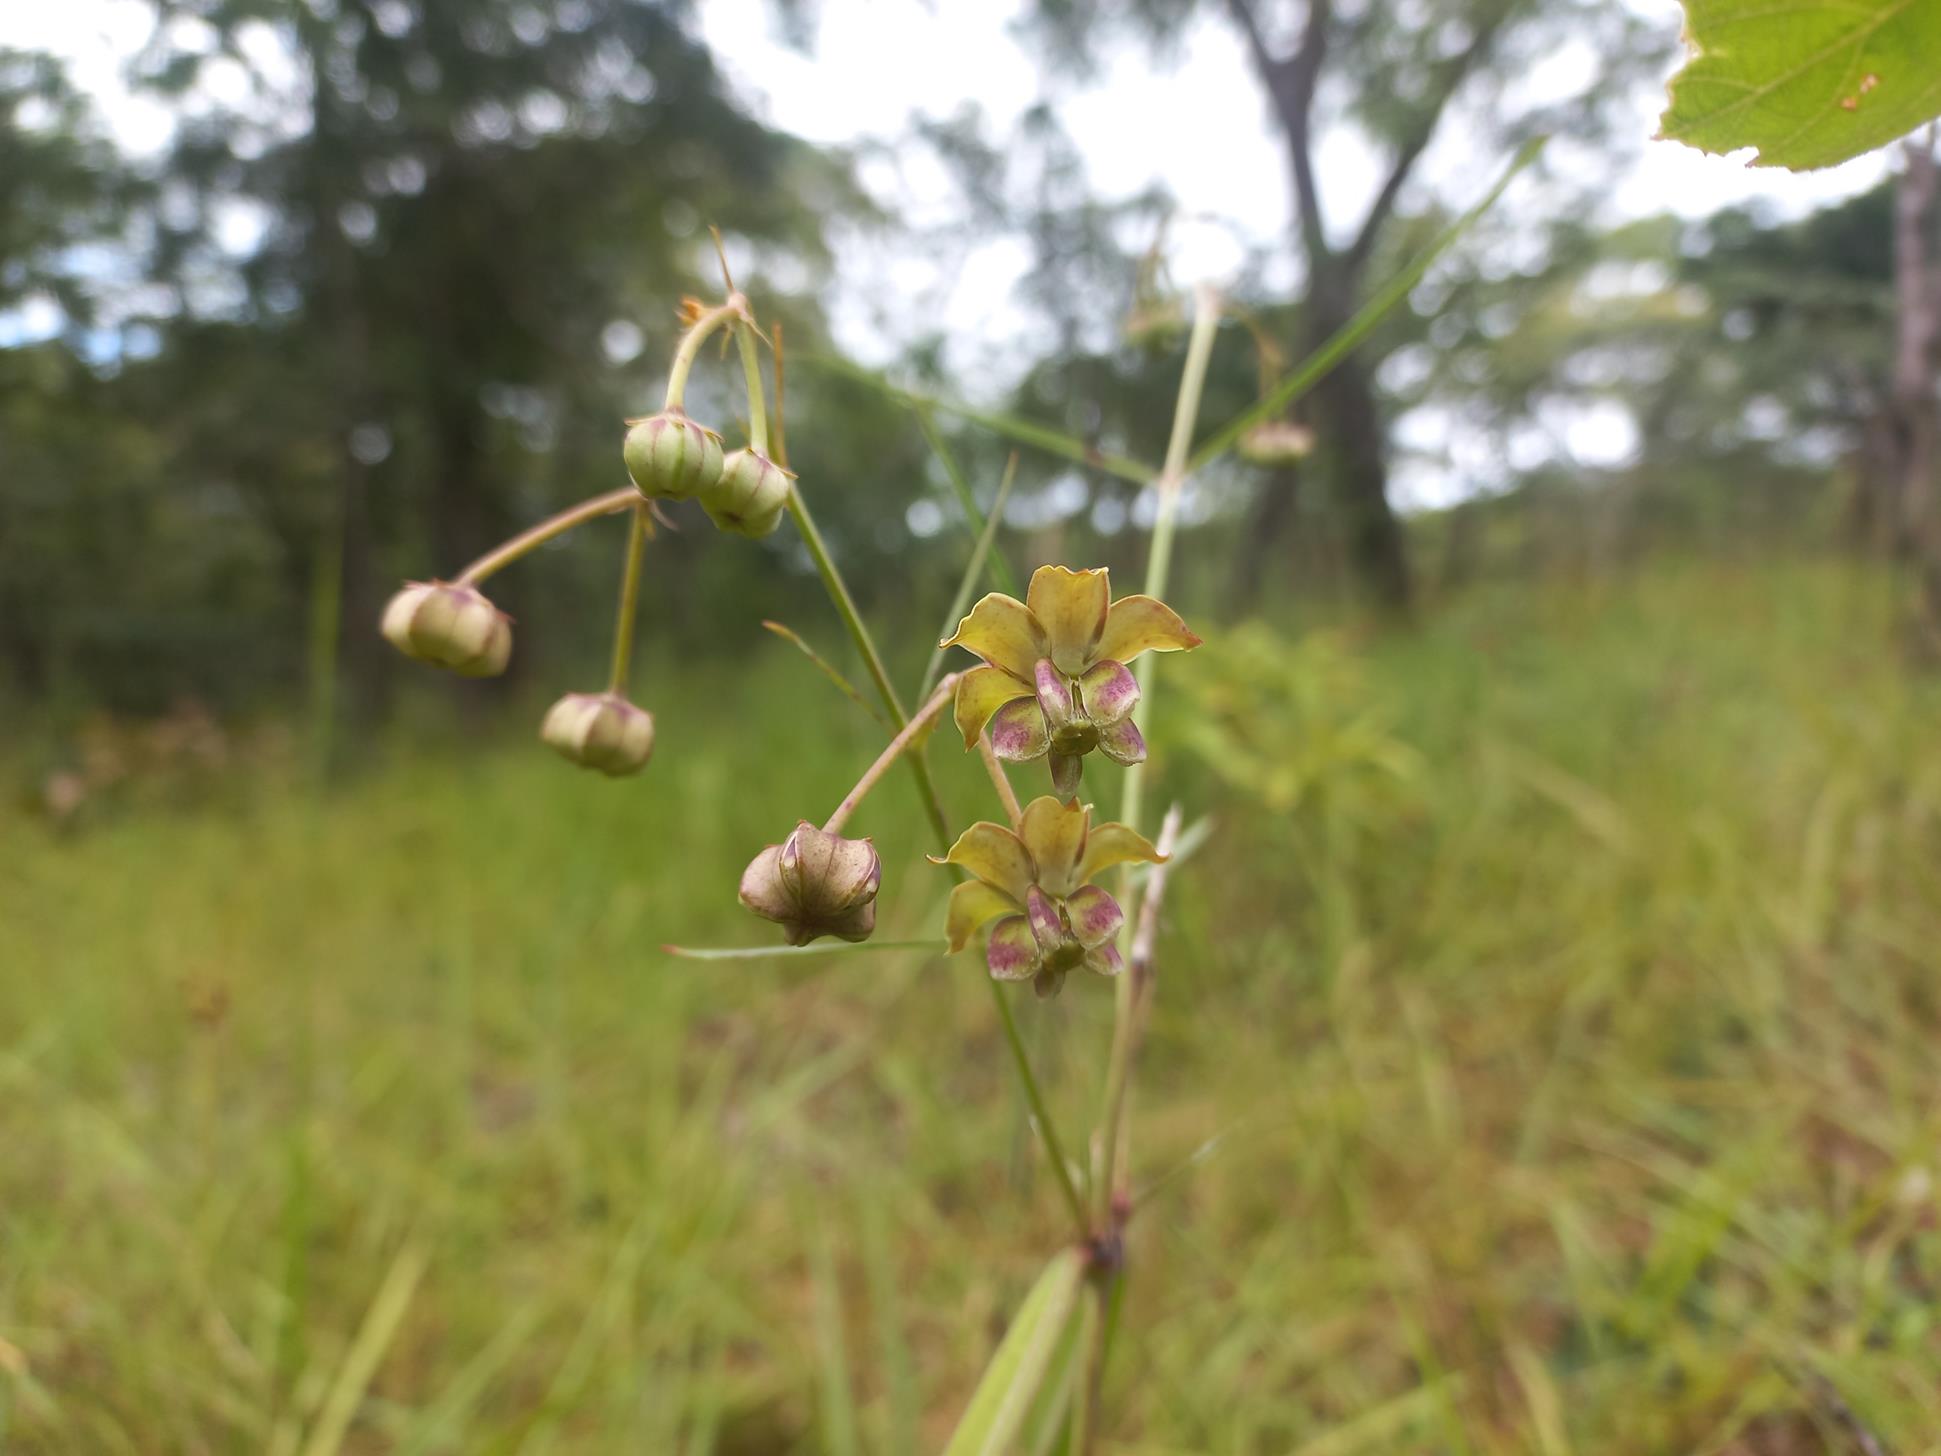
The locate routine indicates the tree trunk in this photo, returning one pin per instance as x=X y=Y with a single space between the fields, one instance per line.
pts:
x=1914 y=406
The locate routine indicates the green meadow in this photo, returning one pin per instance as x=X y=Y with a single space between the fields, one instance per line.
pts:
x=1546 y=1061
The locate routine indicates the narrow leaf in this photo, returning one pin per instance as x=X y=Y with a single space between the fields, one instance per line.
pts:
x=1004 y=1395
x=1315 y=366
x=1809 y=84
x=789 y=634
x=972 y=570
x=798 y=952
x=381 y=1322
x=1001 y=574
x=1027 y=432
x=840 y=1424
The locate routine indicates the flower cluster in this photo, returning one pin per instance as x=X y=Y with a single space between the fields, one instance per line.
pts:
x=1054 y=682
x=1036 y=884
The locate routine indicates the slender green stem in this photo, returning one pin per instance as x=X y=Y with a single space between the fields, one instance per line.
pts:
x=623 y=626
x=908 y=734
x=690 y=348
x=534 y=537
x=751 y=368
x=1085 y=1398
x=1040 y=1112
x=781 y=453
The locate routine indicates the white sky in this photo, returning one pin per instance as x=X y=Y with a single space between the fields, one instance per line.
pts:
x=1197 y=125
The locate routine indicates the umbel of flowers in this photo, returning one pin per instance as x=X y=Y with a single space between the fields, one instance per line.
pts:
x=668 y=457
x=1054 y=682
x=1036 y=884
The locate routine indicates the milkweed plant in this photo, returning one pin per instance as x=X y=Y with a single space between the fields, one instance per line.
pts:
x=1055 y=893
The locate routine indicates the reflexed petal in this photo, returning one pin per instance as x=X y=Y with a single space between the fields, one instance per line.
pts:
x=1115 y=844
x=1122 y=742
x=1139 y=624
x=1109 y=692
x=828 y=873
x=1012 y=954
x=1065 y=771
x=762 y=889
x=973 y=905
x=1054 y=833
x=1046 y=928
x=980 y=693
x=1106 y=960
x=1054 y=695
x=996 y=856
x=1018 y=731
x=1001 y=631
x=1096 y=916
x=1071 y=607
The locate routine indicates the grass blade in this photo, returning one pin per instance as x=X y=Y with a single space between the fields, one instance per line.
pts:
x=789 y=634
x=1003 y=1397
x=381 y=1322
x=1001 y=572
x=840 y=1426
x=1025 y=432
x=797 y=952
x=1317 y=364
x=972 y=570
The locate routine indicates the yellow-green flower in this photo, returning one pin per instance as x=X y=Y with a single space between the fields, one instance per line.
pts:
x=1036 y=885
x=1054 y=680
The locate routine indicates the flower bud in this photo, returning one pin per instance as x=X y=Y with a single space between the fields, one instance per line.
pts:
x=671 y=457
x=1276 y=442
x=749 y=497
x=600 y=730
x=450 y=625
x=814 y=883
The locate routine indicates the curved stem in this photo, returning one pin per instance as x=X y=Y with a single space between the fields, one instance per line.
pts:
x=1040 y=1113
x=623 y=627
x=751 y=368
x=1000 y=780
x=908 y=734
x=510 y=551
x=690 y=348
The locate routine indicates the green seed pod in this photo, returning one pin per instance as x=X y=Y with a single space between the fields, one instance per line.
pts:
x=600 y=730
x=451 y=626
x=749 y=497
x=670 y=457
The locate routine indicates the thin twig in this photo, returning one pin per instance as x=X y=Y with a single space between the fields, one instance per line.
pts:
x=918 y=724
x=507 y=552
x=1000 y=780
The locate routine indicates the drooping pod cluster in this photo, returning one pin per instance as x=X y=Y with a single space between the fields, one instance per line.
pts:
x=668 y=457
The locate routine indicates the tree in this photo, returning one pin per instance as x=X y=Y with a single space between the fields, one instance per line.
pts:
x=1392 y=81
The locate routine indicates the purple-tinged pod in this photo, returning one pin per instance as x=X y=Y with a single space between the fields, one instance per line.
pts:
x=449 y=625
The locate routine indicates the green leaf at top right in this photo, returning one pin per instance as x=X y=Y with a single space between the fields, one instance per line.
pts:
x=1806 y=82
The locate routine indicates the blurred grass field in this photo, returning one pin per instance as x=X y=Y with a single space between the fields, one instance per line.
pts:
x=1562 y=1017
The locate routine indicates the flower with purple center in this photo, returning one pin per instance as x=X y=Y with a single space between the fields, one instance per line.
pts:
x=815 y=883
x=1035 y=885
x=1054 y=681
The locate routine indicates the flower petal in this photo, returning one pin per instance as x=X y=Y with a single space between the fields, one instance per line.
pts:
x=1003 y=632
x=762 y=888
x=973 y=905
x=856 y=924
x=1108 y=691
x=1096 y=916
x=1071 y=607
x=995 y=855
x=1012 y=954
x=1106 y=960
x=1046 y=928
x=829 y=874
x=1115 y=844
x=1054 y=833
x=1054 y=695
x=1065 y=771
x=1018 y=732
x=1123 y=742
x=980 y=693
x=1139 y=624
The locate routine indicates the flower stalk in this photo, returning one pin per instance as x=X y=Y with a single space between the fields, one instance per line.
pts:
x=690 y=347
x=533 y=537
x=908 y=734
x=623 y=627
